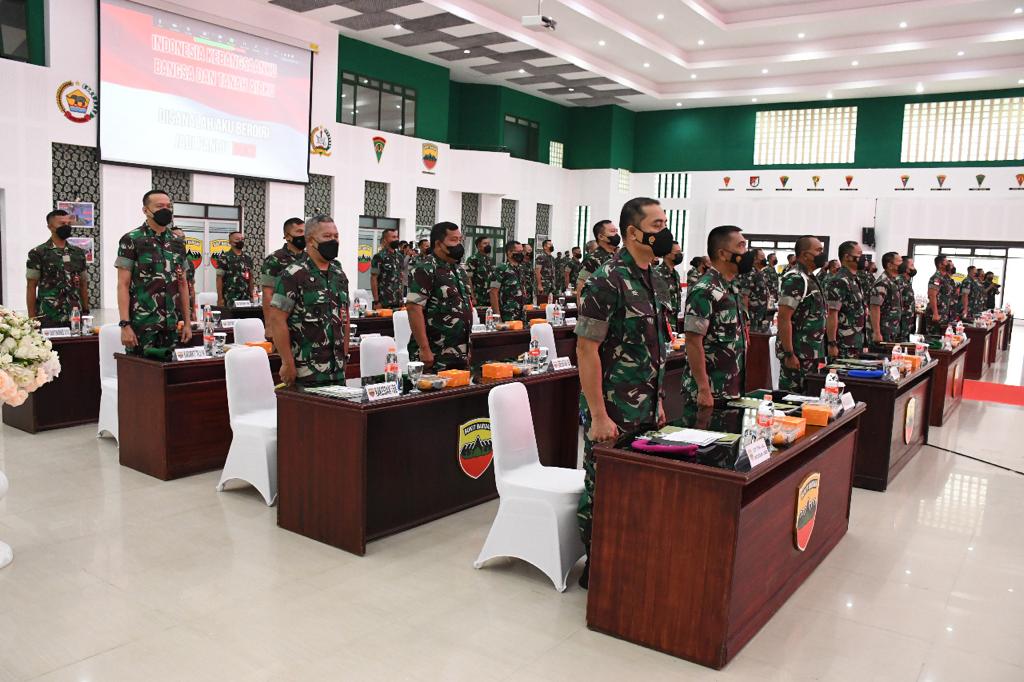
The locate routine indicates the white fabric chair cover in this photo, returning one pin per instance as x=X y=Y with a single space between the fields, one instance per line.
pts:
x=545 y=336
x=109 y=343
x=6 y=553
x=206 y=298
x=476 y=315
x=252 y=408
x=250 y=330
x=373 y=350
x=549 y=314
x=536 y=519
x=403 y=331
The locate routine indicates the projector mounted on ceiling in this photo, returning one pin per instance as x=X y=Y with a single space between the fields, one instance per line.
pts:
x=538 y=22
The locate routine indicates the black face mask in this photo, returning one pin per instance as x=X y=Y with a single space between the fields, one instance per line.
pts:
x=614 y=240
x=577 y=256
x=163 y=217
x=299 y=242
x=862 y=263
x=328 y=250
x=912 y=272
x=239 y=244
x=395 y=244
x=820 y=260
x=518 y=257
x=63 y=232
x=456 y=252
x=660 y=242
x=744 y=261
x=487 y=250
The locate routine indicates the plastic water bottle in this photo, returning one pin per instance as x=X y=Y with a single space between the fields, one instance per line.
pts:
x=551 y=298
x=959 y=328
x=489 y=319
x=947 y=339
x=559 y=315
x=533 y=357
x=766 y=418
x=561 y=301
x=392 y=374
x=831 y=391
x=208 y=339
x=76 y=321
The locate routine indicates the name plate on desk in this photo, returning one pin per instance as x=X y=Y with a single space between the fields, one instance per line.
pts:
x=191 y=353
x=561 y=363
x=758 y=453
x=242 y=304
x=56 y=332
x=848 y=402
x=228 y=324
x=570 y=321
x=380 y=391
x=570 y=306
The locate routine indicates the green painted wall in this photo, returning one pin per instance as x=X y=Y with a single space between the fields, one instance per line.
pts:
x=553 y=118
x=600 y=137
x=430 y=81
x=722 y=138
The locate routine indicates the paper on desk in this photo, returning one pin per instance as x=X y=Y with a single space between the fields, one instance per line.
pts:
x=793 y=398
x=694 y=436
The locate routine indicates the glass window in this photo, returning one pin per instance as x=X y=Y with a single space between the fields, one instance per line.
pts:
x=956 y=251
x=390 y=112
x=224 y=212
x=371 y=103
x=805 y=136
x=367 y=107
x=556 y=154
x=673 y=185
x=927 y=249
x=14 y=30
x=521 y=137
x=190 y=210
x=963 y=130
x=625 y=180
x=409 y=127
x=348 y=103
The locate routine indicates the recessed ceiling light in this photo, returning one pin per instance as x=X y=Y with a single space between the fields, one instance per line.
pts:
x=647 y=65
x=465 y=52
x=1018 y=10
x=572 y=89
x=693 y=76
x=601 y=43
x=920 y=87
x=700 y=42
x=398 y=27
x=753 y=99
x=679 y=104
x=854 y=63
x=522 y=70
x=1020 y=81
x=949 y=628
x=960 y=53
x=903 y=24
x=398 y=106
x=764 y=70
x=829 y=94
x=660 y=17
x=801 y=36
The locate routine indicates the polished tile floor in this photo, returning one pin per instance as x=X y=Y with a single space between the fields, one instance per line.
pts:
x=118 y=576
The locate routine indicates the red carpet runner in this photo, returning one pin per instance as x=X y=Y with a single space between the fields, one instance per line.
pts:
x=993 y=393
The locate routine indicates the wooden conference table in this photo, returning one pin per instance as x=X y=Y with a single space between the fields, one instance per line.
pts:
x=758 y=365
x=347 y=475
x=895 y=426
x=979 y=351
x=72 y=398
x=693 y=560
x=947 y=380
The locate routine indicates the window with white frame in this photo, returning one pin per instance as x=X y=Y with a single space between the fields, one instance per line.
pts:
x=583 y=234
x=677 y=224
x=625 y=180
x=964 y=130
x=556 y=151
x=805 y=136
x=673 y=185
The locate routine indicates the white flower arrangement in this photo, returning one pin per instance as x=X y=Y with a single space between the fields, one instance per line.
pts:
x=27 y=358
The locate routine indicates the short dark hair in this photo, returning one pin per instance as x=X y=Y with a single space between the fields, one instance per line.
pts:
x=696 y=261
x=440 y=231
x=971 y=267
x=576 y=248
x=477 y=241
x=546 y=241
x=888 y=258
x=292 y=221
x=939 y=259
x=845 y=249
x=772 y=255
x=233 y=233
x=511 y=244
x=633 y=211
x=147 y=195
x=389 y=229
x=719 y=237
x=57 y=213
x=904 y=265
x=599 y=228
x=420 y=242
x=803 y=244
x=790 y=255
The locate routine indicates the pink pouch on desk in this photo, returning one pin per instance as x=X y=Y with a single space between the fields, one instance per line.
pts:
x=645 y=445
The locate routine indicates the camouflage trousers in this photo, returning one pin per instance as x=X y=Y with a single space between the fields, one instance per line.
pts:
x=909 y=326
x=793 y=379
x=156 y=338
x=585 y=511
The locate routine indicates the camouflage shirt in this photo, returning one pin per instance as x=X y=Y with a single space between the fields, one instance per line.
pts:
x=529 y=280
x=771 y=276
x=512 y=294
x=59 y=273
x=237 y=271
x=625 y=309
x=546 y=263
x=801 y=292
x=940 y=285
x=387 y=265
x=714 y=311
x=157 y=264
x=591 y=263
x=481 y=272
x=908 y=325
x=843 y=293
x=675 y=294
x=571 y=270
x=275 y=263
x=442 y=290
x=317 y=305
x=886 y=295
x=754 y=285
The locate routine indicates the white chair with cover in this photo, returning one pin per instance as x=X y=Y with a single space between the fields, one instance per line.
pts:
x=545 y=336
x=373 y=351
x=250 y=330
x=476 y=315
x=252 y=409
x=549 y=314
x=206 y=298
x=536 y=519
x=6 y=553
x=109 y=343
x=403 y=332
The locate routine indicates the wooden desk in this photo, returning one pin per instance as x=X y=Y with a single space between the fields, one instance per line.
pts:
x=947 y=383
x=72 y=398
x=977 y=351
x=1009 y=332
x=173 y=416
x=758 y=366
x=995 y=342
x=692 y=560
x=233 y=313
x=491 y=346
x=674 y=384
x=895 y=426
x=374 y=325
x=347 y=475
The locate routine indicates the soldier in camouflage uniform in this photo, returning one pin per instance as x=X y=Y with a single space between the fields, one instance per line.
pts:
x=754 y=290
x=938 y=298
x=887 y=302
x=56 y=275
x=190 y=268
x=800 y=345
x=480 y=267
x=571 y=268
x=528 y=274
x=908 y=307
x=544 y=268
x=954 y=294
x=275 y=263
x=715 y=322
x=440 y=310
x=772 y=275
x=386 y=273
x=845 y=301
x=150 y=281
x=622 y=335
x=675 y=294
x=309 y=311
x=978 y=305
x=508 y=294
x=234 y=273
x=607 y=236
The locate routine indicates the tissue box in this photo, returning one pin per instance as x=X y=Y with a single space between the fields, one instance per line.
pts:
x=455 y=377
x=539 y=320
x=386 y=312
x=816 y=414
x=497 y=370
x=790 y=429
x=516 y=325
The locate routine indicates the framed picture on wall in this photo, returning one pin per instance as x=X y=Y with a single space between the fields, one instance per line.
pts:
x=81 y=211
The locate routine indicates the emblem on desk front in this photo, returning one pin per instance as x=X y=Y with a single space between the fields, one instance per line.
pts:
x=475 y=451
x=806 y=510
x=910 y=420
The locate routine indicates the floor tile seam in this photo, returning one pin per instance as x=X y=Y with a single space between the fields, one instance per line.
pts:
x=97 y=654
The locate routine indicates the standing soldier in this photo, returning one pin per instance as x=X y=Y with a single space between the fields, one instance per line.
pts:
x=275 y=263
x=481 y=270
x=698 y=266
x=386 y=273
x=753 y=288
x=908 y=306
x=772 y=273
x=675 y=294
x=309 y=311
x=190 y=268
x=716 y=332
x=440 y=310
x=606 y=234
x=544 y=269
x=150 y=280
x=938 y=298
x=620 y=345
x=979 y=292
x=529 y=276
x=571 y=269
x=234 y=273
x=887 y=302
x=56 y=275
x=508 y=294
x=800 y=344
x=846 y=321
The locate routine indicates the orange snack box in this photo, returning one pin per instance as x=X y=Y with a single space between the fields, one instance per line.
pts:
x=915 y=362
x=386 y=312
x=497 y=370
x=265 y=345
x=543 y=306
x=799 y=424
x=816 y=415
x=539 y=320
x=455 y=377
x=515 y=325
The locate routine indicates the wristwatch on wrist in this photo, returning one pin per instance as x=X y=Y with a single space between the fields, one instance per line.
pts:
x=123 y=323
